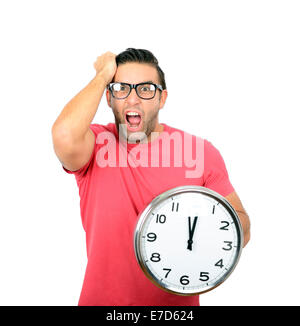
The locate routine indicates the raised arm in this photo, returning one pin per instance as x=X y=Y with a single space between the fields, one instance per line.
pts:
x=73 y=140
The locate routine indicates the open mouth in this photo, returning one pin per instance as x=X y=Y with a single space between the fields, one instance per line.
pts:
x=134 y=120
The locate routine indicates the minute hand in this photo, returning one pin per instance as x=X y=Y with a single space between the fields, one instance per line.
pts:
x=191 y=232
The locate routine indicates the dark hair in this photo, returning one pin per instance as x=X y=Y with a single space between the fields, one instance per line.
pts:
x=141 y=56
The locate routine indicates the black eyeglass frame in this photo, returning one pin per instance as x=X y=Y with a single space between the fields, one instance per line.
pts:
x=157 y=86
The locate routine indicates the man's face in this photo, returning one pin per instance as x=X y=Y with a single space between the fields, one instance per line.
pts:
x=147 y=121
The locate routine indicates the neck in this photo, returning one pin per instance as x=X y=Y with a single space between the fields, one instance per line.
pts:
x=156 y=132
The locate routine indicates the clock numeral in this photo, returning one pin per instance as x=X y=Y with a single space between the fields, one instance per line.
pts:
x=151 y=237
x=155 y=257
x=225 y=227
x=168 y=271
x=175 y=205
x=161 y=218
x=219 y=263
x=213 y=211
x=204 y=276
x=229 y=245
x=184 y=280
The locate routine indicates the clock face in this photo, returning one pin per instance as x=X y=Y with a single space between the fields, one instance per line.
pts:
x=188 y=240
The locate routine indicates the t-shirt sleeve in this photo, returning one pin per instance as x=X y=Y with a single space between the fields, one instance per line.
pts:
x=216 y=176
x=83 y=170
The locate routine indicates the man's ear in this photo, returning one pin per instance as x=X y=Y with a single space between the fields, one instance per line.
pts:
x=108 y=98
x=163 y=98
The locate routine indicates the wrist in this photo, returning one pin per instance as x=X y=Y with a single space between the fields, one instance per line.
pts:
x=105 y=76
x=100 y=78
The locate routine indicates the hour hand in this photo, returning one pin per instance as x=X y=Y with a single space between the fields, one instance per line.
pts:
x=191 y=232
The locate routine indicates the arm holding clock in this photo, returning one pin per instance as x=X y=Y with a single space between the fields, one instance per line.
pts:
x=236 y=203
x=217 y=178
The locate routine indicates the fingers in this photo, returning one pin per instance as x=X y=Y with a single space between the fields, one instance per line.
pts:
x=106 y=65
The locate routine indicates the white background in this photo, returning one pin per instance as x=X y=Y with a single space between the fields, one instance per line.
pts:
x=233 y=75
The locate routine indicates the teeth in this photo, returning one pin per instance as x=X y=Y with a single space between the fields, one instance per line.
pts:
x=132 y=113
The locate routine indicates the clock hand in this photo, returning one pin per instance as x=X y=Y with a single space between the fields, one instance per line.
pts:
x=191 y=232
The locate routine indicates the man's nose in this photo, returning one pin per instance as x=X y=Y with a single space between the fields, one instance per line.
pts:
x=133 y=97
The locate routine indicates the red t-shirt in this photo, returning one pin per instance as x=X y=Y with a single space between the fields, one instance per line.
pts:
x=115 y=188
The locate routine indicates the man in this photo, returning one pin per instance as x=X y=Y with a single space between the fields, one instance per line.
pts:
x=118 y=175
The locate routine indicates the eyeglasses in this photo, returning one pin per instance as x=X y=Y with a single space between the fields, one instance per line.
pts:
x=145 y=91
